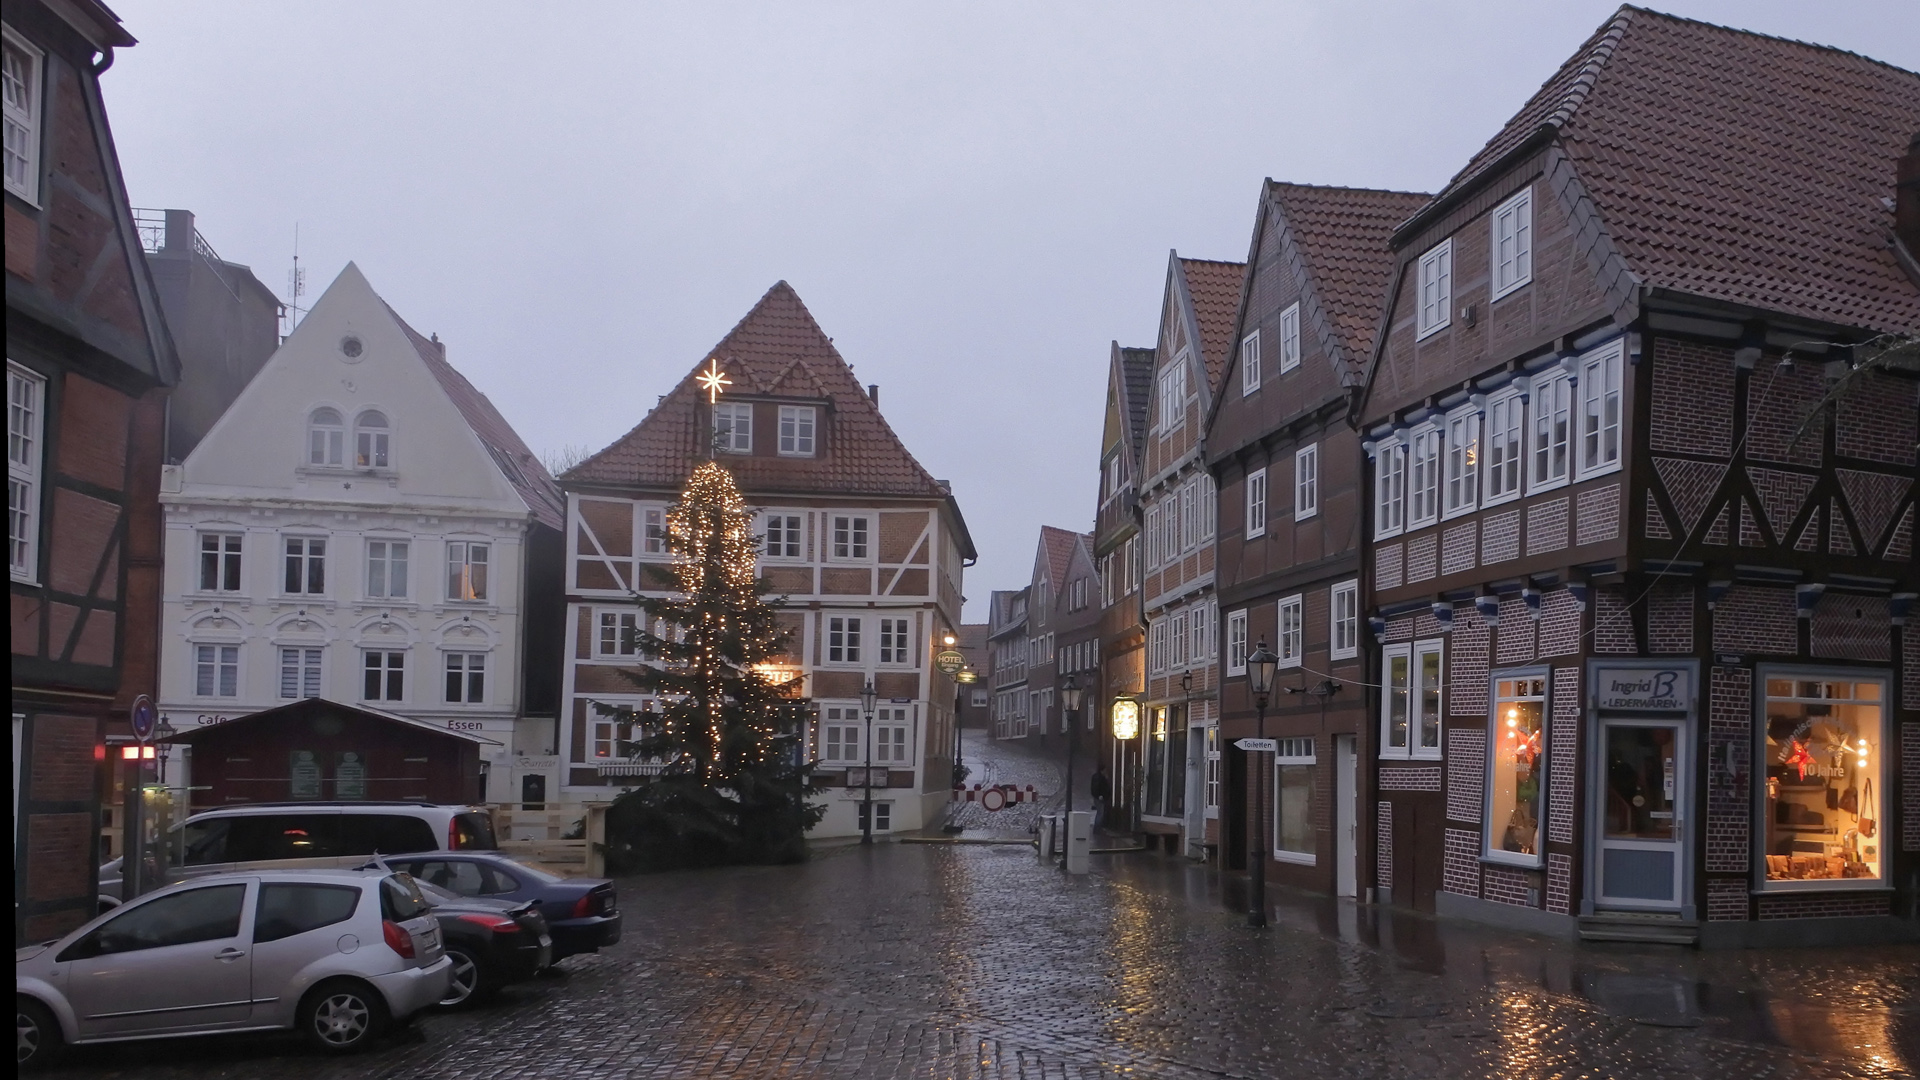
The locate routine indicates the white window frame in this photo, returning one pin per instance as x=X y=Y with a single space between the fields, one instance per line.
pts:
x=792 y=529
x=1237 y=642
x=1552 y=396
x=29 y=122
x=1178 y=641
x=466 y=666
x=799 y=430
x=1512 y=243
x=326 y=438
x=372 y=440
x=896 y=641
x=392 y=553
x=1601 y=374
x=1256 y=503
x=26 y=457
x=1173 y=395
x=1306 y=482
x=1435 y=295
x=1250 y=363
x=461 y=562
x=1343 y=620
x=1489 y=853
x=1295 y=752
x=305 y=665
x=1460 y=475
x=1209 y=507
x=216 y=658
x=898 y=720
x=1412 y=652
x=1389 y=489
x=227 y=550
x=1189 y=526
x=307 y=558
x=1290 y=338
x=610 y=636
x=652 y=541
x=1503 y=436
x=857 y=543
x=841 y=728
x=387 y=673
x=1423 y=476
x=1290 y=630
x=844 y=640
x=739 y=437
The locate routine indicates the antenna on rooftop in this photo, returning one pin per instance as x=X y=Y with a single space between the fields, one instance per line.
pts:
x=296 y=286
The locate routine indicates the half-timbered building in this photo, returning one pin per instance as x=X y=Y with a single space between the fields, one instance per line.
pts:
x=865 y=547
x=1116 y=551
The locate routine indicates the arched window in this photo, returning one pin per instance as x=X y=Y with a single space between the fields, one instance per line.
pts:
x=370 y=440
x=326 y=438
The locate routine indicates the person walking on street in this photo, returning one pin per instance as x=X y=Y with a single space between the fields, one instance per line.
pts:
x=1102 y=791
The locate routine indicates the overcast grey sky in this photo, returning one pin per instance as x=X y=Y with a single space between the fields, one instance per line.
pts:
x=973 y=199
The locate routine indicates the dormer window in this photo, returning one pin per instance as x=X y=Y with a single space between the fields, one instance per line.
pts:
x=326 y=438
x=796 y=430
x=733 y=427
x=1436 y=289
x=370 y=443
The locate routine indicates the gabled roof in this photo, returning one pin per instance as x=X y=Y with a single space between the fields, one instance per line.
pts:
x=1136 y=381
x=1056 y=552
x=1214 y=289
x=302 y=707
x=1344 y=259
x=777 y=349
x=1728 y=165
x=528 y=476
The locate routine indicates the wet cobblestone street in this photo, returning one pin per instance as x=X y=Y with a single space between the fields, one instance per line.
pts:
x=926 y=960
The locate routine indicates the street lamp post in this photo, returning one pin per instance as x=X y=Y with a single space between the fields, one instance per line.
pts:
x=1260 y=668
x=1070 y=695
x=867 y=696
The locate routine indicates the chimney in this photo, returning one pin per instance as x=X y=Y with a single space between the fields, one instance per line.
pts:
x=179 y=238
x=873 y=393
x=1906 y=208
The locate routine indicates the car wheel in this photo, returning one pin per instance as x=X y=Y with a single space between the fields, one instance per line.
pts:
x=343 y=1016
x=38 y=1040
x=465 y=982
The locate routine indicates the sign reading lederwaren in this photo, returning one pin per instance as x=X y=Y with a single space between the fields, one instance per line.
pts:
x=1646 y=689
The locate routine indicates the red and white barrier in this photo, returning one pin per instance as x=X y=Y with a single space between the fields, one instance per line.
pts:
x=997 y=797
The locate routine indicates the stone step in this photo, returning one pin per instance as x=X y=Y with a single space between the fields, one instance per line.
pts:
x=1634 y=927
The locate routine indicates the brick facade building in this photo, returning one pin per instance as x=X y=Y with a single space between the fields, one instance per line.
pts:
x=1117 y=553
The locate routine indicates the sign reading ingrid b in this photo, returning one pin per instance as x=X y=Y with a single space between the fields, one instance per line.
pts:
x=1645 y=689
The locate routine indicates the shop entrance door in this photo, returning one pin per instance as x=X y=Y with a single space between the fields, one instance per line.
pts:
x=1642 y=831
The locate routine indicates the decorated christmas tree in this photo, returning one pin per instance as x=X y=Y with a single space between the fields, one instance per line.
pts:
x=734 y=784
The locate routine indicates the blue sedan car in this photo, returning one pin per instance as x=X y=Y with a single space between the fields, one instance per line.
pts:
x=582 y=914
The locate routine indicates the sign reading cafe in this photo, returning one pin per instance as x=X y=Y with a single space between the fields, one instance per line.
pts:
x=1645 y=689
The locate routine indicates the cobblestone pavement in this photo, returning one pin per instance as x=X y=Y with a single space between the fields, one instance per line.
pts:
x=1036 y=762
x=923 y=960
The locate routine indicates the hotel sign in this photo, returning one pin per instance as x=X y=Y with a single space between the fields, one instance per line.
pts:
x=1649 y=689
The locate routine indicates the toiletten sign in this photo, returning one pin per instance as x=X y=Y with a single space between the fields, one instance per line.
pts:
x=1646 y=689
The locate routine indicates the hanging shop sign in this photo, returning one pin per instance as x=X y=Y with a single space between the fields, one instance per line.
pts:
x=949 y=660
x=1126 y=719
x=1645 y=689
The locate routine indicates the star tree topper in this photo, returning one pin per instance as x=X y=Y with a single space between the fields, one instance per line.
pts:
x=713 y=381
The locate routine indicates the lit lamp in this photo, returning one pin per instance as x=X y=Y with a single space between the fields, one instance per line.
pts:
x=1126 y=719
x=1260 y=668
x=1070 y=696
x=867 y=696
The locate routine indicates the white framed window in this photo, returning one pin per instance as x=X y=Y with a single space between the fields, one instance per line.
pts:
x=1199 y=631
x=653 y=531
x=1291 y=641
x=372 y=441
x=220 y=562
x=1306 y=482
x=466 y=570
x=21 y=76
x=1513 y=243
x=1173 y=394
x=1290 y=338
x=1256 y=503
x=384 y=675
x=1343 y=620
x=1837 y=717
x=1153 y=535
x=1250 y=363
x=306 y=566
x=1237 y=642
x=1157 y=646
x=849 y=537
x=1423 y=476
x=1410 y=700
x=387 y=569
x=896 y=641
x=1189 y=516
x=1600 y=372
x=1516 y=768
x=300 y=673
x=733 y=427
x=216 y=671
x=840 y=736
x=892 y=735
x=26 y=426
x=1436 y=289
x=843 y=639
x=1209 y=507
x=882 y=815
x=1294 y=765
x=1461 y=493
x=1506 y=424
x=796 y=430
x=326 y=438
x=784 y=539
x=1177 y=639
x=1551 y=444
x=1389 y=489
x=466 y=678
x=617 y=633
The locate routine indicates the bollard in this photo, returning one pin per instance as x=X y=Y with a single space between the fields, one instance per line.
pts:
x=1079 y=840
x=1046 y=837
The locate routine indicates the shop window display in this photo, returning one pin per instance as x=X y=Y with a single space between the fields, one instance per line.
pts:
x=1825 y=788
x=1515 y=770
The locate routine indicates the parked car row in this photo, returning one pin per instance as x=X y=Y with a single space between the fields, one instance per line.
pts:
x=338 y=946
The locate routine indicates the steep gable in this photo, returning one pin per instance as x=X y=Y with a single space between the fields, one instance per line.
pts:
x=1213 y=291
x=777 y=349
x=1340 y=236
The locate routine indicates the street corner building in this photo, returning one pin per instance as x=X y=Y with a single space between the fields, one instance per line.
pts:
x=1640 y=505
x=863 y=548
x=89 y=359
x=360 y=526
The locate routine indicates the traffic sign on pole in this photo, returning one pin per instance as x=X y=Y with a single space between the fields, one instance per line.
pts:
x=143 y=717
x=1269 y=745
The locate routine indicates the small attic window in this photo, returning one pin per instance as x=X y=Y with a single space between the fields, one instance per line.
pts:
x=351 y=347
x=797 y=426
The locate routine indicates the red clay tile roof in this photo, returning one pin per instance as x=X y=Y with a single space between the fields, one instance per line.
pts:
x=776 y=350
x=1136 y=386
x=1735 y=166
x=1057 y=546
x=1215 y=290
x=1343 y=237
x=511 y=456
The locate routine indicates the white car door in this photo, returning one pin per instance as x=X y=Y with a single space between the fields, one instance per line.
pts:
x=173 y=963
x=296 y=924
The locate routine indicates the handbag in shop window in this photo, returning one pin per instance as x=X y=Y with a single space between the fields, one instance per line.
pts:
x=1868 y=810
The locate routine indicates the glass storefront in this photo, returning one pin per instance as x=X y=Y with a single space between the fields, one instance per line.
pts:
x=1166 y=773
x=1514 y=769
x=1293 y=767
x=1825 y=799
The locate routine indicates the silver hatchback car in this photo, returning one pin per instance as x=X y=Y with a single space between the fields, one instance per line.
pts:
x=338 y=955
